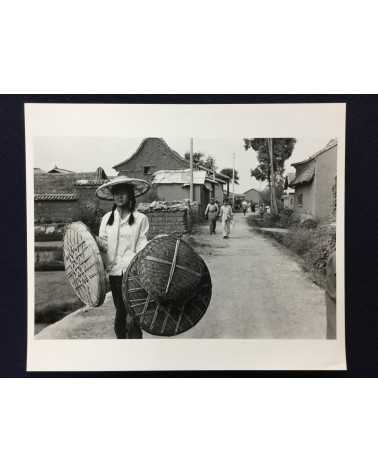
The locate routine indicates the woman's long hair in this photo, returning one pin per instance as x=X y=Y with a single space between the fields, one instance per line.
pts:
x=131 y=202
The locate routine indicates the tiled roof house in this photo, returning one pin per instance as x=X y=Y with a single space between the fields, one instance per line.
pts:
x=314 y=184
x=154 y=155
x=60 y=196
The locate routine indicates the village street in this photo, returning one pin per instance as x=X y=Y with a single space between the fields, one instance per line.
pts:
x=259 y=291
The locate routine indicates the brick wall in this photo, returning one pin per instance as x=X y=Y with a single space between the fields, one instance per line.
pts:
x=161 y=221
x=59 y=183
x=155 y=155
x=167 y=221
x=70 y=210
x=56 y=211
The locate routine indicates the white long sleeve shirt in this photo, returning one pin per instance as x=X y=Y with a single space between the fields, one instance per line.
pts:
x=123 y=241
x=226 y=213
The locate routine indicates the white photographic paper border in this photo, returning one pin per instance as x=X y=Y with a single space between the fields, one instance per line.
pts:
x=225 y=120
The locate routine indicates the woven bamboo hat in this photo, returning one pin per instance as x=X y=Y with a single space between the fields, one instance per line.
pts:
x=169 y=269
x=83 y=264
x=164 y=317
x=105 y=191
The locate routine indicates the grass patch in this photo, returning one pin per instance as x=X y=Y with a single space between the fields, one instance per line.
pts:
x=47 y=237
x=52 y=312
x=54 y=297
x=285 y=219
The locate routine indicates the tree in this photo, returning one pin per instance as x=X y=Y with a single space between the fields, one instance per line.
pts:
x=199 y=160
x=210 y=163
x=265 y=195
x=282 y=150
x=228 y=172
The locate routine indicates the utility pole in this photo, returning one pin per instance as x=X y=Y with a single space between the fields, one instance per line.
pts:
x=213 y=186
x=273 y=201
x=233 y=181
x=191 y=172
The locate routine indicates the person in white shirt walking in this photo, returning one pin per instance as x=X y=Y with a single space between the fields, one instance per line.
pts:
x=123 y=233
x=226 y=217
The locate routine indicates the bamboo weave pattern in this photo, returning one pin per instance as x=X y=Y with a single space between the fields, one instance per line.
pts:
x=83 y=264
x=164 y=318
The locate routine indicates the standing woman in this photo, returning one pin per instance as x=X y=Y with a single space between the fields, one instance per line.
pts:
x=226 y=216
x=123 y=233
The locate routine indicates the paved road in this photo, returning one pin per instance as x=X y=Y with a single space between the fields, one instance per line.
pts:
x=259 y=291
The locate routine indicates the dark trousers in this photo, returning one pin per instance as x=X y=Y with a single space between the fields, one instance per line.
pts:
x=125 y=327
x=212 y=225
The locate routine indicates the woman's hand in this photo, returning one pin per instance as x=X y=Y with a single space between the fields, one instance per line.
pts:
x=102 y=243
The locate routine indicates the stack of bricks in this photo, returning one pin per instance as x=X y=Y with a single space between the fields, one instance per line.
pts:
x=167 y=221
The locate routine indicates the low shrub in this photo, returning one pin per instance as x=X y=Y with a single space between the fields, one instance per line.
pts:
x=254 y=220
x=324 y=243
x=53 y=312
x=314 y=246
x=309 y=223
x=92 y=216
x=270 y=221
x=288 y=218
x=48 y=237
x=53 y=232
x=48 y=258
x=285 y=219
x=299 y=240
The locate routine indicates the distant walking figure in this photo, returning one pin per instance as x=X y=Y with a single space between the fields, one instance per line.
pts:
x=226 y=215
x=211 y=212
x=244 y=206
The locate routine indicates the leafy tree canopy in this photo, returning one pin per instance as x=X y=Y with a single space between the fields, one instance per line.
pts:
x=228 y=171
x=282 y=150
x=200 y=160
x=265 y=194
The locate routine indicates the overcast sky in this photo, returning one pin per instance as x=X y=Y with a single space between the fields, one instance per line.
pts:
x=88 y=153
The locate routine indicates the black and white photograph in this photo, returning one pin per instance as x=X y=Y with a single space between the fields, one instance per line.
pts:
x=185 y=235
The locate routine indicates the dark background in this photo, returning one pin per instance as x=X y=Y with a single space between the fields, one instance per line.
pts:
x=361 y=230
